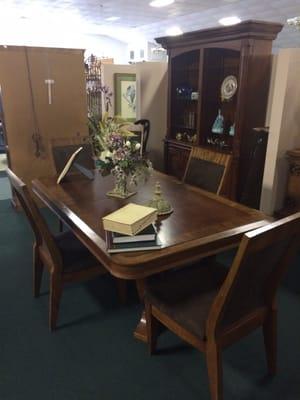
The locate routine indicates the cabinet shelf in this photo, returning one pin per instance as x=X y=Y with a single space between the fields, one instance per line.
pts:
x=176 y=126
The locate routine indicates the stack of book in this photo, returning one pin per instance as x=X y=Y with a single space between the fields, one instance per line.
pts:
x=131 y=228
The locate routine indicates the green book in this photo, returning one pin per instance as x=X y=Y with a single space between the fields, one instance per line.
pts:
x=131 y=246
x=147 y=234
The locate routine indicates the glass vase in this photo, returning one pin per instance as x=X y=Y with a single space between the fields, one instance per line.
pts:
x=121 y=187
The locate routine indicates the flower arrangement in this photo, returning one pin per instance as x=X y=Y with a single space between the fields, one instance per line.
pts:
x=119 y=153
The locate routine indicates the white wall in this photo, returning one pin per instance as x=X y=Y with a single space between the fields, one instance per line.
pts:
x=108 y=72
x=149 y=51
x=99 y=45
x=284 y=122
x=104 y=46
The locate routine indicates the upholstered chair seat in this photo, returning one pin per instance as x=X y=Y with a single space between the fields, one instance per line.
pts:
x=186 y=296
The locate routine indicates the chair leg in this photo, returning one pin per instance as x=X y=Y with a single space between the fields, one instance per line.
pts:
x=55 y=296
x=38 y=268
x=122 y=290
x=152 y=328
x=270 y=339
x=215 y=370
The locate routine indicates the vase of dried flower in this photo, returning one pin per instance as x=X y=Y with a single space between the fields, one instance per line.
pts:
x=120 y=189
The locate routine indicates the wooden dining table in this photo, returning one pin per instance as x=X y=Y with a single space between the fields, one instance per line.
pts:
x=202 y=224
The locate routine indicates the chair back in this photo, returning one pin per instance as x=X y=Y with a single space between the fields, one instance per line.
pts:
x=254 y=277
x=43 y=236
x=207 y=169
x=146 y=131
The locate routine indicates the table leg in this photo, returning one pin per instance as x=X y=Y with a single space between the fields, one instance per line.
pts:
x=140 y=332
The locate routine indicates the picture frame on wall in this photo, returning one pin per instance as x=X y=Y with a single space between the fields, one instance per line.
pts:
x=125 y=96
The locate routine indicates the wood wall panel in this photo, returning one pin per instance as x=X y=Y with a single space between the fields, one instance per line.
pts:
x=65 y=117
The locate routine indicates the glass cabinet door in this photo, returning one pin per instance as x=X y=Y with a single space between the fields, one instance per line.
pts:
x=185 y=96
x=219 y=97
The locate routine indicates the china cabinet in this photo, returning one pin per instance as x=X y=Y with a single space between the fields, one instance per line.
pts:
x=218 y=92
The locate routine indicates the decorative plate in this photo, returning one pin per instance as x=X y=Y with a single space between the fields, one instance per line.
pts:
x=228 y=87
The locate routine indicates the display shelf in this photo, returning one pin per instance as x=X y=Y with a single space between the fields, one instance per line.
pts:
x=227 y=69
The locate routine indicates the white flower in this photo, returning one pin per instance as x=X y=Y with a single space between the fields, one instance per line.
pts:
x=138 y=146
x=104 y=155
x=128 y=143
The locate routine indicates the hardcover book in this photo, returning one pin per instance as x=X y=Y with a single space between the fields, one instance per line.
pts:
x=131 y=246
x=146 y=234
x=130 y=219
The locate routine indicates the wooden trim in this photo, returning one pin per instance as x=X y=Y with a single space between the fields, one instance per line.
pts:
x=242 y=327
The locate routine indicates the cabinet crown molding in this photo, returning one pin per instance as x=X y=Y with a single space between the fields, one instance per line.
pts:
x=250 y=29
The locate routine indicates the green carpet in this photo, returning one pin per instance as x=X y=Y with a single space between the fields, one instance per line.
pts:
x=5 y=190
x=93 y=355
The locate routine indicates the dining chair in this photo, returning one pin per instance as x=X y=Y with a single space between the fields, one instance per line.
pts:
x=207 y=169
x=65 y=257
x=145 y=123
x=212 y=307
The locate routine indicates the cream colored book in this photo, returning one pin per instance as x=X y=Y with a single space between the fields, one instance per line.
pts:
x=68 y=165
x=130 y=219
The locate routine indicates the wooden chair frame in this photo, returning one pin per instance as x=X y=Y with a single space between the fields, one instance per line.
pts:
x=218 y=337
x=46 y=253
x=214 y=157
x=145 y=123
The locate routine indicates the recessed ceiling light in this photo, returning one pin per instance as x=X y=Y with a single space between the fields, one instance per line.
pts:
x=174 y=31
x=161 y=3
x=229 y=21
x=112 y=19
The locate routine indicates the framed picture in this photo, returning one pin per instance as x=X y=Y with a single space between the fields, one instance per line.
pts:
x=125 y=96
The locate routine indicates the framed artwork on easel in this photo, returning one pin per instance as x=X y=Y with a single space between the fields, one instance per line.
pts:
x=125 y=96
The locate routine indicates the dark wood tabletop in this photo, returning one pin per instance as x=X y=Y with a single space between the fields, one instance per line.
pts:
x=202 y=223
